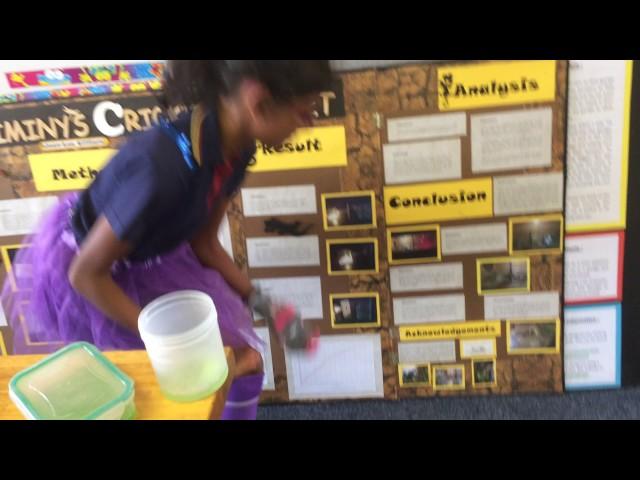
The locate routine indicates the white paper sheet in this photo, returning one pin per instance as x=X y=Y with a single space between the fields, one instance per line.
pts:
x=21 y=216
x=484 y=238
x=431 y=309
x=592 y=346
x=3 y=318
x=525 y=305
x=290 y=200
x=422 y=161
x=224 y=235
x=344 y=366
x=305 y=293
x=595 y=148
x=591 y=267
x=264 y=252
x=269 y=381
x=446 y=276
x=427 y=352
x=485 y=347
x=535 y=193
x=511 y=140
x=427 y=126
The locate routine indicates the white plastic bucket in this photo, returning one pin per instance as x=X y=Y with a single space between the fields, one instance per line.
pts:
x=181 y=334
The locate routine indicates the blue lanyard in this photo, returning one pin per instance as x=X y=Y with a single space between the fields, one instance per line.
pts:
x=181 y=140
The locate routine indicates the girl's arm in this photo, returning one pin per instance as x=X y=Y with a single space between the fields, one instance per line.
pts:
x=211 y=254
x=90 y=275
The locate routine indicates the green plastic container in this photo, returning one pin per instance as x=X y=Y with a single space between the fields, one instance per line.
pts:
x=75 y=383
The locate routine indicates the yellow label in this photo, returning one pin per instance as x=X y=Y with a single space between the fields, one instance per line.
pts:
x=448 y=331
x=427 y=202
x=496 y=84
x=67 y=170
x=3 y=347
x=318 y=147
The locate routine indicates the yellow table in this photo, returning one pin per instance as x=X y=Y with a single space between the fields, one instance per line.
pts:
x=150 y=403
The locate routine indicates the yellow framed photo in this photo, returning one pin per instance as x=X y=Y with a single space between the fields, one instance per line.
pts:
x=25 y=329
x=418 y=244
x=349 y=211
x=448 y=377
x=503 y=275
x=527 y=337
x=484 y=373
x=414 y=375
x=9 y=253
x=355 y=310
x=536 y=235
x=352 y=256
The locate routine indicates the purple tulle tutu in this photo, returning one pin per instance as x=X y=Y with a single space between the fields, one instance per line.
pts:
x=45 y=312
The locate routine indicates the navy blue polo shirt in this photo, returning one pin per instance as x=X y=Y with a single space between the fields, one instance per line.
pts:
x=150 y=196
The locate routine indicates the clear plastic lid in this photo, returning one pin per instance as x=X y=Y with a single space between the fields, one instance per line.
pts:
x=76 y=383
